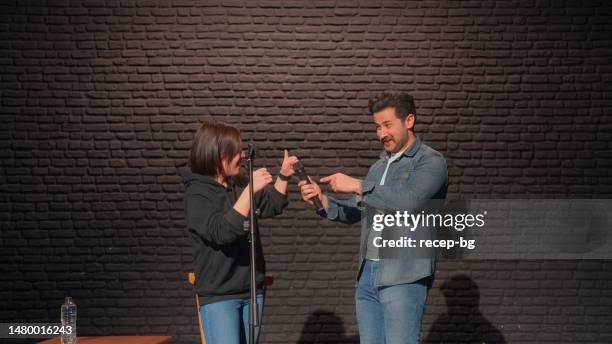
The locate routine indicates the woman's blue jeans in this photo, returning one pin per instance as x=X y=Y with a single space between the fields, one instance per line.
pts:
x=227 y=321
x=388 y=315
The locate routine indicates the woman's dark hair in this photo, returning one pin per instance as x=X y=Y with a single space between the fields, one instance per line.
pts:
x=402 y=102
x=213 y=143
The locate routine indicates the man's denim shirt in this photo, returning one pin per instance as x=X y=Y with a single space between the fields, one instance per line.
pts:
x=419 y=175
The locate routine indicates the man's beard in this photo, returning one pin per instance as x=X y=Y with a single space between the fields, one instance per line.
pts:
x=398 y=144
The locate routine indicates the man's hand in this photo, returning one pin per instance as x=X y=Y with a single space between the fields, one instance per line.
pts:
x=310 y=191
x=340 y=182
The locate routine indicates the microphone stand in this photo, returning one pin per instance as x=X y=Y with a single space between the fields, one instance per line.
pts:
x=254 y=315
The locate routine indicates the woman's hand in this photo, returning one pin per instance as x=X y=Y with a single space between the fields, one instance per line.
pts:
x=287 y=166
x=261 y=178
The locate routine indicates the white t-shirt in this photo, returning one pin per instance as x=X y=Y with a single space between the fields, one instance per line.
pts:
x=391 y=159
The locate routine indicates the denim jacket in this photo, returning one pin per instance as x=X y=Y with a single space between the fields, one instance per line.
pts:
x=420 y=174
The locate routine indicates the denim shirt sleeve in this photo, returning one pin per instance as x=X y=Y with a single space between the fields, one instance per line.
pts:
x=345 y=211
x=427 y=178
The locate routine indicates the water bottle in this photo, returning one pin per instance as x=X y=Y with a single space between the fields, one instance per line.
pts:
x=69 y=318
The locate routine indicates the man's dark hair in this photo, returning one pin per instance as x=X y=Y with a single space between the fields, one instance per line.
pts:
x=402 y=102
x=213 y=143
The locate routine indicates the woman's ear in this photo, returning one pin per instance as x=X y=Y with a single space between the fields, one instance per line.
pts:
x=224 y=167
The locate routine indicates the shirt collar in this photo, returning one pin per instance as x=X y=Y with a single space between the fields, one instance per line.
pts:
x=409 y=152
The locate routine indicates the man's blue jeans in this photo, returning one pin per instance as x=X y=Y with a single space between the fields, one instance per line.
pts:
x=227 y=321
x=388 y=315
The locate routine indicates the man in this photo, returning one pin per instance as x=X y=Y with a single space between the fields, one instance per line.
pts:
x=391 y=291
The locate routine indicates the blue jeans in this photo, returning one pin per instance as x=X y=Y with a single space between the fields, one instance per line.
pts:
x=388 y=315
x=227 y=321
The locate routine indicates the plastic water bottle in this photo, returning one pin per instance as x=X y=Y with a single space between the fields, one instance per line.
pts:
x=69 y=318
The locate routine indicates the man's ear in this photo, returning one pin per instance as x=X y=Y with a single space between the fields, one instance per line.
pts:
x=409 y=121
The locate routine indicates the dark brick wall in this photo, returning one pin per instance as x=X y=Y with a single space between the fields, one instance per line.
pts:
x=100 y=99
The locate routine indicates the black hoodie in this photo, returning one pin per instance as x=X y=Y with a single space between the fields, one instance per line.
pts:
x=219 y=239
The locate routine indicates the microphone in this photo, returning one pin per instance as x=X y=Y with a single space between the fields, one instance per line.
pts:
x=250 y=155
x=301 y=173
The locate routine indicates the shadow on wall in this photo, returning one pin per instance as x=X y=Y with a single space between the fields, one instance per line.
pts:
x=325 y=327
x=463 y=322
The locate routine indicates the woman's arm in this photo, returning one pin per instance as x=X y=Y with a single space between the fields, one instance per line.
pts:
x=261 y=178
x=205 y=216
x=272 y=201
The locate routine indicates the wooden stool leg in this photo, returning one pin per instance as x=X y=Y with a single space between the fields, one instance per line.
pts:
x=200 y=321
x=191 y=280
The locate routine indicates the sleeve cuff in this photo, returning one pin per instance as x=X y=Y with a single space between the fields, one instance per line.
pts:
x=332 y=208
x=367 y=186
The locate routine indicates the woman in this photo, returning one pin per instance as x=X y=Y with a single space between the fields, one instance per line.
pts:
x=217 y=208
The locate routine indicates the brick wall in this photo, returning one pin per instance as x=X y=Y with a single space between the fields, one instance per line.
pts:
x=100 y=99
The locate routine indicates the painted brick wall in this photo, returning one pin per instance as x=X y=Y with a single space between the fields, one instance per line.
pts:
x=100 y=99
